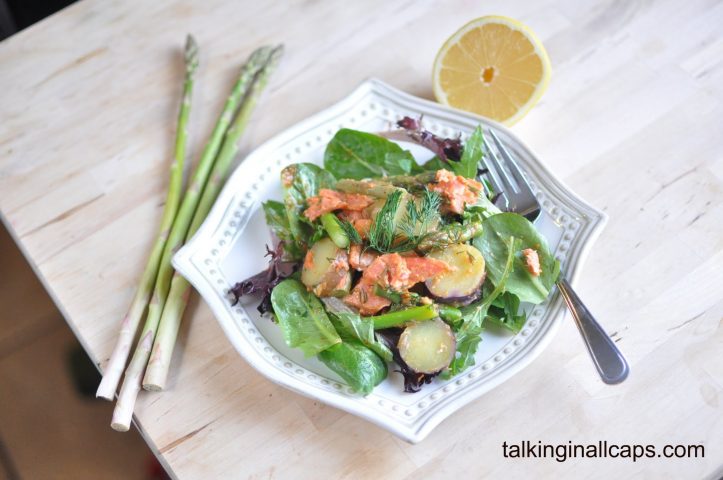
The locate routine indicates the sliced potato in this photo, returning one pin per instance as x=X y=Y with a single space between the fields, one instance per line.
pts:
x=427 y=347
x=461 y=285
x=323 y=271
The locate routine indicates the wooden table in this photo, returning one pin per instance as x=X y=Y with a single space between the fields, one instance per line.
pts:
x=632 y=122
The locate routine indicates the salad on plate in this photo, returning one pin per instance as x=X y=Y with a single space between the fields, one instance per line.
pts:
x=380 y=260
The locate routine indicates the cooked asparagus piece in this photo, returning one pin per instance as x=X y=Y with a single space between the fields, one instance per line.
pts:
x=373 y=188
x=400 y=317
x=413 y=182
x=334 y=230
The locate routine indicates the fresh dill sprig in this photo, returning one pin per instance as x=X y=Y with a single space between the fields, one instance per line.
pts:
x=381 y=233
x=418 y=220
x=350 y=231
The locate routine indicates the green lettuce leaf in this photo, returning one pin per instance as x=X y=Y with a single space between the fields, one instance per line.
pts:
x=302 y=318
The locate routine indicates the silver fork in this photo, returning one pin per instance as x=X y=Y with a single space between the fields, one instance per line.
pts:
x=506 y=177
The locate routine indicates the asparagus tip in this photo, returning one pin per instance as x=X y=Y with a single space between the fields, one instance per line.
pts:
x=278 y=51
x=191 y=53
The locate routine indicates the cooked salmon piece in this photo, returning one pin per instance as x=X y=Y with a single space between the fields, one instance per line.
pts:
x=362 y=227
x=391 y=271
x=388 y=271
x=456 y=190
x=330 y=200
x=424 y=268
x=341 y=262
x=364 y=299
x=532 y=261
x=359 y=219
x=401 y=273
x=309 y=260
x=359 y=259
x=351 y=215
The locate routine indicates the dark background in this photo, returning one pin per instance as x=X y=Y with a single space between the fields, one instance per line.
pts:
x=16 y=15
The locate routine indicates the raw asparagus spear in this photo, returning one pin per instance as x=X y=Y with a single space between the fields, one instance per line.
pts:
x=134 y=373
x=157 y=371
x=130 y=322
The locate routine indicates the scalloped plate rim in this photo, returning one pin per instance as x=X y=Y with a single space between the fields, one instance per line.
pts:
x=413 y=431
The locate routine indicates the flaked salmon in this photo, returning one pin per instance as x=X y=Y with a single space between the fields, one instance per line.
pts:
x=532 y=261
x=389 y=271
x=359 y=259
x=456 y=190
x=331 y=200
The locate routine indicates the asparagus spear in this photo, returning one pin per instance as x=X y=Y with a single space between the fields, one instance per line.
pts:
x=130 y=322
x=134 y=373
x=157 y=371
x=400 y=317
x=413 y=182
x=373 y=188
x=335 y=230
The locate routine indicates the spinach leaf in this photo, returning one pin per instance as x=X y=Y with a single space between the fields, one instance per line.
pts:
x=349 y=325
x=301 y=181
x=361 y=368
x=302 y=318
x=492 y=243
x=474 y=150
x=278 y=221
x=359 y=155
x=433 y=164
x=396 y=163
x=473 y=316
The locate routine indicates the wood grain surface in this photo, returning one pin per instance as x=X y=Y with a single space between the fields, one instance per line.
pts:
x=631 y=121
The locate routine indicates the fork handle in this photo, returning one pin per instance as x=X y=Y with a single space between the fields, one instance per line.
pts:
x=610 y=363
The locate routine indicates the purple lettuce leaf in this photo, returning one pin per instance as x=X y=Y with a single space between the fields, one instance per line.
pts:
x=445 y=148
x=265 y=281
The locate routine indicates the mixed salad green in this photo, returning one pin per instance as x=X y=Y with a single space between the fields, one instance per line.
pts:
x=382 y=260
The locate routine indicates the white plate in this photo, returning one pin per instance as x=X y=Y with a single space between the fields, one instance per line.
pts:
x=230 y=246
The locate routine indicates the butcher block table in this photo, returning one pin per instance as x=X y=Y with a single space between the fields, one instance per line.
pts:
x=632 y=121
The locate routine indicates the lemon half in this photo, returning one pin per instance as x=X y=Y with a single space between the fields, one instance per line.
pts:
x=494 y=66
